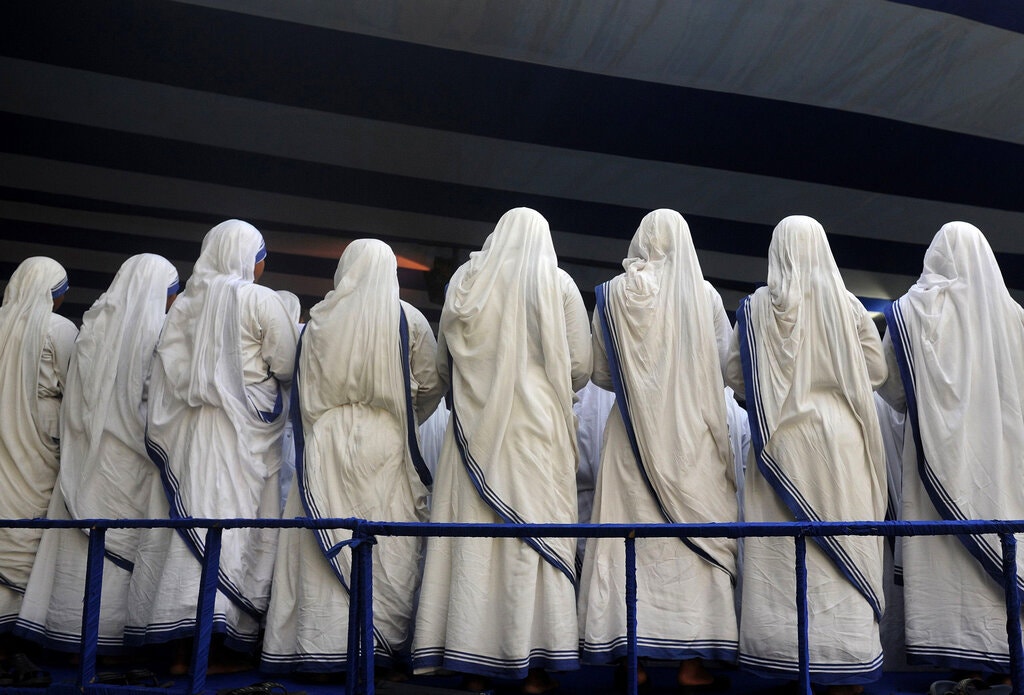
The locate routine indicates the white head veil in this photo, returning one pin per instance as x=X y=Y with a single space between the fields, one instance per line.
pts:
x=504 y=324
x=26 y=309
x=959 y=339
x=28 y=453
x=203 y=433
x=353 y=355
x=358 y=319
x=103 y=460
x=666 y=365
x=813 y=422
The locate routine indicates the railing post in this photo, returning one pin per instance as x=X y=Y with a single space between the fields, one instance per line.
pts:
x=352 y=660
x=1013 y=629
x=361 y=669
x=91 y=606
x=803 y=647
x=204 y=611
x=631 y=648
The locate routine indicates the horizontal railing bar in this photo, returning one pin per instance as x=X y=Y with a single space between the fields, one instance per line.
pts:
x=706 y=530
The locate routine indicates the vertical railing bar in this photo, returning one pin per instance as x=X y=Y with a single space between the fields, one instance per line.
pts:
x=1013 y=629
x=91 y=607
x=367 y=642
x=632 y=685
x=204 y=611
x=353 y=660
x=803 y=647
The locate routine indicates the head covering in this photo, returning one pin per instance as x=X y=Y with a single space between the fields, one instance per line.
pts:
x=959 y=337
x=24 y=316
x=359 y=318
x=512 y=276
x=813 y=422
x=345 y=402
x=205 y=319
x=504 y=324
x=660 y=334
x=104 y=465
x=28 y=451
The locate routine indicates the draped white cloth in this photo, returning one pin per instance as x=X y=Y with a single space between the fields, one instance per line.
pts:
x=660 y=336
x=357 y=385
x=592 y=407
x=810 y=357
x=432 y=435
x=739 y=439
x=515 y=329
x=35 y=347
x=287 y=474
x=893 y=626
x=104 y=469
x=216 y=413
x=957 y=337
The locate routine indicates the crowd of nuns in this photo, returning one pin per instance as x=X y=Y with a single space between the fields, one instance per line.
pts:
x=213 y=401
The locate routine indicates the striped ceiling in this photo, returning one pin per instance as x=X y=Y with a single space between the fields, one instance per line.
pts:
x=135 y=125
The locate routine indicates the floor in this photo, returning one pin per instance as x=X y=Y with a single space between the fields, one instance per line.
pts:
x=593 y=680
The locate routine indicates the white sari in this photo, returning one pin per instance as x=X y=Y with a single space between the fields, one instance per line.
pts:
x=216 y=414
x=660 y=338
x=810 y=357
x=35 y=346
x=514 y=326
x=366 y=374
x=104 y=470
x=957 y=337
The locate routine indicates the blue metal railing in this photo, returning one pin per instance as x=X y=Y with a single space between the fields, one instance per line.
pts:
x=364 y=533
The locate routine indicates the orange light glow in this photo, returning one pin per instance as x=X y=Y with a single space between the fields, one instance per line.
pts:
x=404 y=262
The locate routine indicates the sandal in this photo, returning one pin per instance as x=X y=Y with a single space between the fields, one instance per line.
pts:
x=24 y=674
x=968 y=686
x=139 y=676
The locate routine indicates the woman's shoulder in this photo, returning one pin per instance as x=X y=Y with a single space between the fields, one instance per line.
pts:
x=61 y=328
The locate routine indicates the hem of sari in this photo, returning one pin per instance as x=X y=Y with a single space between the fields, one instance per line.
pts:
x=660 y=649
x=821 y=673
x=495 y=667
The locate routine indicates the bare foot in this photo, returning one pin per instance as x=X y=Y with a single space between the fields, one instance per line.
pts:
x=620 y=675
x=692 y=672
x=476 y=684
x=179 y=668
x=538 y=681
x=180 y=665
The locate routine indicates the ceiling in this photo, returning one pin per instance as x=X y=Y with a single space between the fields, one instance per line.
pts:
x=136 y=125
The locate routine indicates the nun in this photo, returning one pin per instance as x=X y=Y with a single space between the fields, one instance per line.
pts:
x=954 y=344
x=366 y=377
x=215 y=419
x=807 y=355
x=35 y=349
x=660 y=337
x=104 y=470
x=514 y=346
